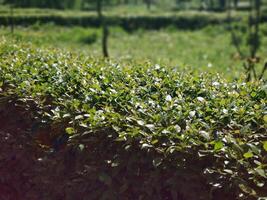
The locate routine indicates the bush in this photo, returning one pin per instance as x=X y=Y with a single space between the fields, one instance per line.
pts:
x=132 y=132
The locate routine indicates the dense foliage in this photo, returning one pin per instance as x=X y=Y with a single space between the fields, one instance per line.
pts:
x=157 y=133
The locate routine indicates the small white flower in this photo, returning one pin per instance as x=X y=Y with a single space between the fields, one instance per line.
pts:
x=157 y=66
x=150 y=126
x=113 y=91
x=177 y=128
x=225 y=111
x=99 y=112
x=54 y=65
x=192 y=113
x=168 y=98
x=226 y=162
x=205 y=134
x=215 y=83
x=210 y=65
x=151 y=102
x=201 y=99
x=187 y=127
x=166 y=131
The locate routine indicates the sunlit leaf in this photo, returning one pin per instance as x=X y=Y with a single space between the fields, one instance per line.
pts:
x=70 y=130
x=248 y=155
x=265 y=145
x=218 y=145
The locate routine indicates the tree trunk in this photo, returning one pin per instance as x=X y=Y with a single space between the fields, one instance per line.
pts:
x=236 y=3
x=148 y=4
x=105 y=40
x=211 y=4
x=256 y=39
x=12 y=19
x=105 y=31
x=222 y=4
x=99 y=9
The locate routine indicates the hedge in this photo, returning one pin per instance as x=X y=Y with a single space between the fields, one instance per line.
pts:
x=87 y=128
x=127 y=22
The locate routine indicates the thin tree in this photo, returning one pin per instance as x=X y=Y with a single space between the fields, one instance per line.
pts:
x=105 y=31
x=11 y=10
x=253 y=40
x=148 y=4
x=236 y=3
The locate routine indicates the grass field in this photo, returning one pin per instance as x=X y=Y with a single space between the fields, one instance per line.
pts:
x=207 y=49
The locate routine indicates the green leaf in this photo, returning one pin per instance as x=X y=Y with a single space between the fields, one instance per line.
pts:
x=261 y=172
x=140 y=122
x=70 y=130
x=254 y=149
x=256 y=106
x=218 y=145
x=260 y=184
x=249 y=154
x=247 y=189
x=78 y=117
x=154 y=141
x=265 y=145
x=145 y=146
x=228 y=171
x=151 y=127
x=253 y=94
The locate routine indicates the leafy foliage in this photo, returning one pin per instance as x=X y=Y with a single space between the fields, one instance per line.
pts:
x=195 y=129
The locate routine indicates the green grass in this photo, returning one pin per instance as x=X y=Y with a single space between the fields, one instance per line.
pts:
x=208 y=49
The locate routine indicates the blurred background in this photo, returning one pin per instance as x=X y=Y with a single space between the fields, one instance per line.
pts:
x=221 y=36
